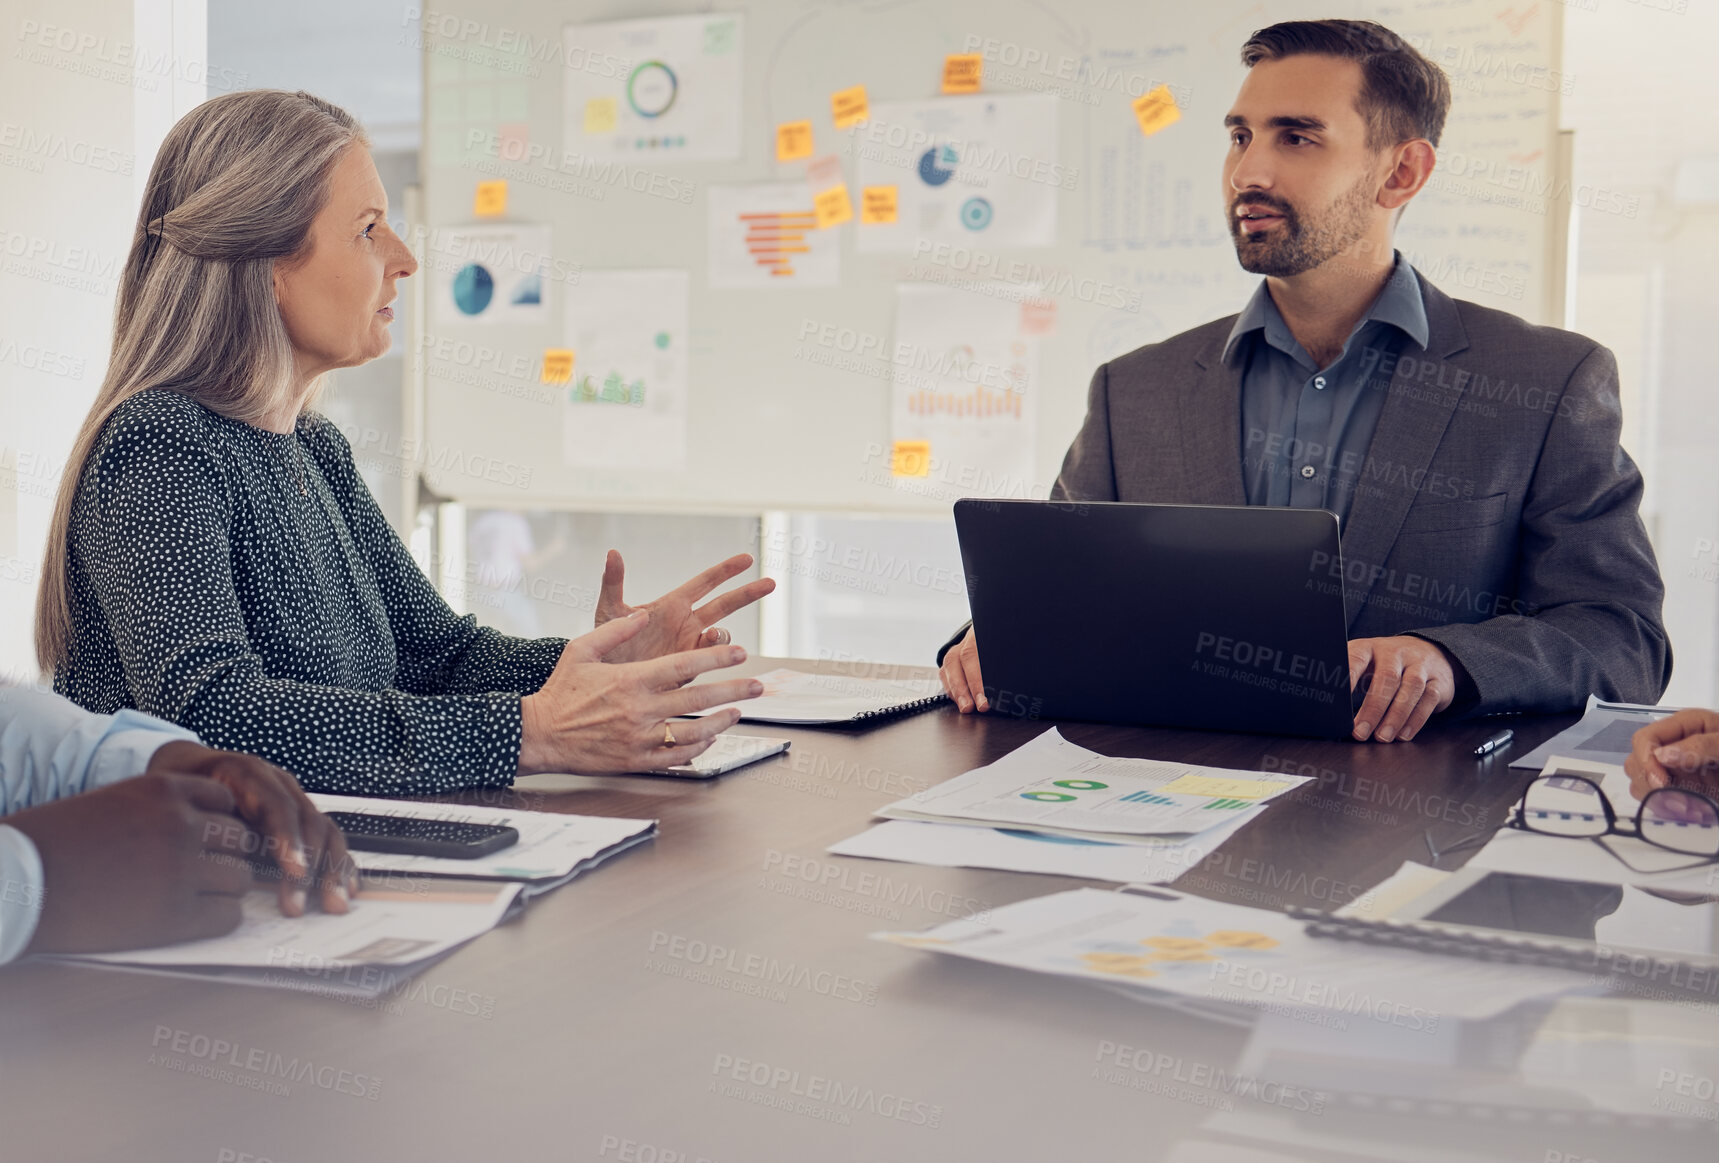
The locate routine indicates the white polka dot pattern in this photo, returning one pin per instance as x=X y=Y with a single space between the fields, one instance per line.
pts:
x=244 y=584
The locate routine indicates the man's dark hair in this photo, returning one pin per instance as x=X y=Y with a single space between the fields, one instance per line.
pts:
x=1403 y=95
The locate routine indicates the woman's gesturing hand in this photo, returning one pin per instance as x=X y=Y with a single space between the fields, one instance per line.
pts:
x=675 y=624
x=598 y=717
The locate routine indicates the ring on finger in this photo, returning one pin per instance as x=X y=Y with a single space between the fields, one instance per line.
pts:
x=719 y=636
x=668 y=736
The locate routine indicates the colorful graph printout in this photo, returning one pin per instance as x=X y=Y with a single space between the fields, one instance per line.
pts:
x=766 y=235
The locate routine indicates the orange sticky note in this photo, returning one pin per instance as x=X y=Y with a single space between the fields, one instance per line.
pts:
x=793 y=141
x=1156 y=110
x=961 y=72
x=849 y=106
x=490 y=199
x=877 y=205
x=832 y=206
x=910 y=458
x=557 y=365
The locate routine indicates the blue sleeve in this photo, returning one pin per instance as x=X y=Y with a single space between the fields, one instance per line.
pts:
x=51 y=748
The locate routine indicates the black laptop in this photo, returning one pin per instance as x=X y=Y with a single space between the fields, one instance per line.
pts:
x=1214 y=617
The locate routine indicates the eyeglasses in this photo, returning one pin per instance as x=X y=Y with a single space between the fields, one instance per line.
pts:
x=1563 y=804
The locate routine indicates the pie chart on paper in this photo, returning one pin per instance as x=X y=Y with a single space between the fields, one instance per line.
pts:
x=937 y=165
x=474 y=286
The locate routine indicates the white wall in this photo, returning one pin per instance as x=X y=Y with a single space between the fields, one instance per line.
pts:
x=1643 y=99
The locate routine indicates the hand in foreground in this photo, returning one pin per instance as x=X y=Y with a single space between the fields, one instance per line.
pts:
x=1680 y=750
x=1412 y=680
x=675 y=625
x=302 y=843
x=594 y=717
x=146 y=861
x=961 y=677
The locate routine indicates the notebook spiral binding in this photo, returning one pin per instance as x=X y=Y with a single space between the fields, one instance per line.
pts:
x=899 y=709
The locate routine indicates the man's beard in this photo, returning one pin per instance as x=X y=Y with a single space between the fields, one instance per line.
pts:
x=1294 y=247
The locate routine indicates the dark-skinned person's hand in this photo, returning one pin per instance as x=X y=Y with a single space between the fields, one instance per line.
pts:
x=147 y=861
x=1680 y=750
x=305 y=848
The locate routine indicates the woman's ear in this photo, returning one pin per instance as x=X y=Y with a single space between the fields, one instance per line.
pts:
x=279 y=279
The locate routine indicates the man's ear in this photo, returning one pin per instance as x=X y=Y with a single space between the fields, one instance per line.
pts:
x=1411 y=166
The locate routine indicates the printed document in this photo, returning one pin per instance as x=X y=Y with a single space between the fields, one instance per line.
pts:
x=1052 y=786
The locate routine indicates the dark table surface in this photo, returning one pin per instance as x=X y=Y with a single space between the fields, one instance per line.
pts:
x=604 y=1024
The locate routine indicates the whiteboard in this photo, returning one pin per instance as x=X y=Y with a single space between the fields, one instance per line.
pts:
x=774 y=421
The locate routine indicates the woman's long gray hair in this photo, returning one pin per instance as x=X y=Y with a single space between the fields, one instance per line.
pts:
x=235 y=187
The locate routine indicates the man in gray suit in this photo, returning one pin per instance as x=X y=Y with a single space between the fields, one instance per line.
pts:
x=1493 y=555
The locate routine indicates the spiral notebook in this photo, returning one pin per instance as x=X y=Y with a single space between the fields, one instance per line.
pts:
x=804 y=699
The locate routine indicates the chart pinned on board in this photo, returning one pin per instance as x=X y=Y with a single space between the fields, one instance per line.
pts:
x=489 y=274
x=965 y=385
x=766 y=235
x=975 y=171
x=666 y=89
x=626 y=405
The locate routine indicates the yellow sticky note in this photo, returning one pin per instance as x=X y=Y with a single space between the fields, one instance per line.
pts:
x=1156 y=110
x=961 y=72
x=557 y=365
x=832 y=206
x=910 y=458
x=793 y=141
x=601 y=115
x=1222 y=788
x=849 y=106
x=877 y=205
x=490 y=199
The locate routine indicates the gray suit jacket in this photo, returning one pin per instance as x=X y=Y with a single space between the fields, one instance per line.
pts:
x=1496 y=516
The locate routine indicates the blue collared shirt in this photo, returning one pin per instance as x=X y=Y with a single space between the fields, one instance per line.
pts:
x=51 y=748
x=1306 y=429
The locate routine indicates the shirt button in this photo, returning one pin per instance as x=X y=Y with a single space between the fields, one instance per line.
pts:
x=1319 y=382
x=1307 y=472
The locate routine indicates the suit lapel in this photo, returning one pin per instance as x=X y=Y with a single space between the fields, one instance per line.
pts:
x=1211 y=431
x=1416 y=415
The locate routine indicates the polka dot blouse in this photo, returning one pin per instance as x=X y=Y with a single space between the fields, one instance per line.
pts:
x=244 y=584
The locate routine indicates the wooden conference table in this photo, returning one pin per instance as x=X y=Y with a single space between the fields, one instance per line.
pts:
x=624 y=1015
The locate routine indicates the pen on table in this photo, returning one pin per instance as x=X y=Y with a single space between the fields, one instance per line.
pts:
x=1502 y=739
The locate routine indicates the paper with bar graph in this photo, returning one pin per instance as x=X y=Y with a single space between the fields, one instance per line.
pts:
x=766 y=235
x=965 y=383
x=1053 y=787
x=626 y=404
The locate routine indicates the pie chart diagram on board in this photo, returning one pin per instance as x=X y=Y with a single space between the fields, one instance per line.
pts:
x=473 y=288
x=937 y=165
x=651 y=89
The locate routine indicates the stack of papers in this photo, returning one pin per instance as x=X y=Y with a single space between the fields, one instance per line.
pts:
x=1150 y=860
x=1052 y=787
x=798 y=697
x=1602 y=736
x=410 y=913
x=1222 y=958
x=389 y=935
x=553 y=847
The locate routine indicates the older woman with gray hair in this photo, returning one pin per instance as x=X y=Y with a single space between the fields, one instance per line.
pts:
x=216 y=560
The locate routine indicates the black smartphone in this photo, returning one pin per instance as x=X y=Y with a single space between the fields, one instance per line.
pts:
x=407 y=836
